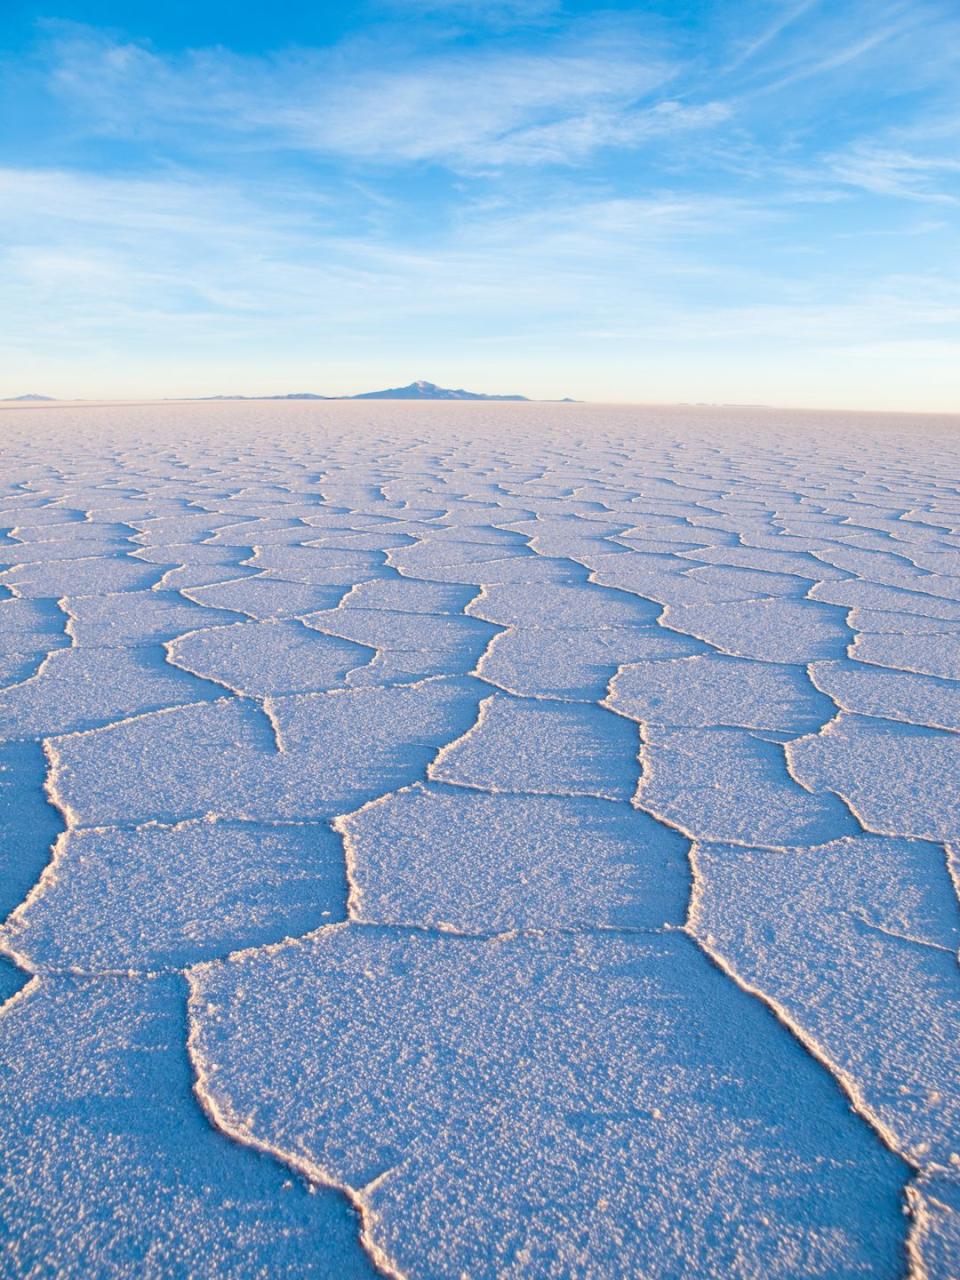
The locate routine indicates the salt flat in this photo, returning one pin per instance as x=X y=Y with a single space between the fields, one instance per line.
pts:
x=479 y=840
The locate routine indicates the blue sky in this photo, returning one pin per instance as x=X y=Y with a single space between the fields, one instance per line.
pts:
x=740 y=201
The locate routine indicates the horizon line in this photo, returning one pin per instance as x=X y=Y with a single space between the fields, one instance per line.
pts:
x=50 y=402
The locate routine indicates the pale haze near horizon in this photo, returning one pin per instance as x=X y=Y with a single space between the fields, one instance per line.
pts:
x=749 y=203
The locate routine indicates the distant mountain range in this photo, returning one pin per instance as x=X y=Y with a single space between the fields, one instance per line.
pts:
x=291 y=395
x=420 y=390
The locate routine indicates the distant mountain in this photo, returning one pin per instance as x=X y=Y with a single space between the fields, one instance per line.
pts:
x=415 y=391
x=291 y=395
x=428 y=391
x=17 y=399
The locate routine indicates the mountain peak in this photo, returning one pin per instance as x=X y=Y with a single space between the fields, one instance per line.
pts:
x=424 y=390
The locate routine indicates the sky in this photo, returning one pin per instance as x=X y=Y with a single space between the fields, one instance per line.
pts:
x=739 y=201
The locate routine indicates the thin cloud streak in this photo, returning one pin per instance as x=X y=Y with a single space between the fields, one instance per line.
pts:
x=458 y=109
x=770 y=34
x=214 y=256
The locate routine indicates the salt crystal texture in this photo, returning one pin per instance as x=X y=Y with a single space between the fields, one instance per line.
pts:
x=507 y=841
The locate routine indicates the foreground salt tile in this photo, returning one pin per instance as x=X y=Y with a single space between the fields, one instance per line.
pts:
x=499 y=567
x=580 y=605
x=892 y=774
x=857 y=941
x=677 y=579
x=67 y=542
x=183 y=526
x=453 y=858
x=471 y=542
x=574 y=664
x=192 y=553
x=26 y=555
x=569 y=534
x=409 y=595
x=111 y=1169
x=406 y=645
x=548 y=1105
x=263 y=597
x=138 y=617
x=892 y=570
x=263 y=658
x=771 y=559
x=675 y=541
x=167 y=896
x=33 y=515
x=736 y=582
x=183 y=762
x=261 y=533
x=317 y=755
x=935 y=555
x=714 y=689
x=768 y=630
x=732 y=784
x=900 y=623
x=676 y=527
x=382 y=538
x=93 y=575
x=81 y=688
x=550 y=748
x=930 y=655
x=854 y=593
x=187 y=576
x=660 y=578
x=316 y=564
x=889 y=694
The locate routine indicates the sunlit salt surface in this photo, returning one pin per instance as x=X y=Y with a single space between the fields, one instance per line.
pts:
x=479 y=841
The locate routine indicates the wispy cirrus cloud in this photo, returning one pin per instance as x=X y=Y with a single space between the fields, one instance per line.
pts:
x=888 y=171
x=239 y=246
x=463 y=109
x=756 y=42
x=803 y=75
x=88 y=252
